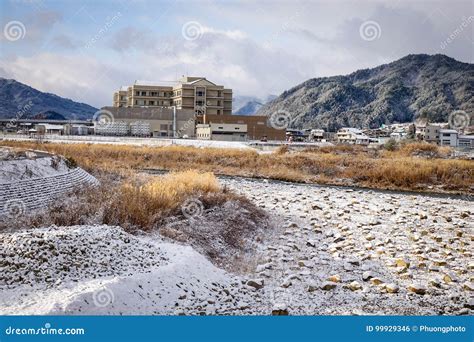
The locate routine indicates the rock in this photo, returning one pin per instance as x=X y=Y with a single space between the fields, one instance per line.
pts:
x=311 y=243
x=449 y=278
x=469 y=304
x=439 y=262
x=400 y=262
x=286 y=284
x=280 y=310
x=354 y=262
x=369 y=237
x=468 y=286
x=256 y=283
x=303 y=263
x=354 y=286
x=326 y=286
x=335 y=278
x=391 y=288
x=312 y=287
x=367 y=275
x=376 y=281
x=417 y=288
x=434 y=283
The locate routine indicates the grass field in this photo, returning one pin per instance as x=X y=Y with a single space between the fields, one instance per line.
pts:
x=415 y=166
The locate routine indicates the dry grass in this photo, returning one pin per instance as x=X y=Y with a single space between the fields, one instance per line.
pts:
x=134 y=203
x=409 y=167
x=225 y=226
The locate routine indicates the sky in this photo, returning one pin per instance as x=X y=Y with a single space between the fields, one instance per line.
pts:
x=85 y=50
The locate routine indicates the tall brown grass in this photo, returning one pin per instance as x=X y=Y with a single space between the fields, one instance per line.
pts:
x=134 y=203
x=411 y=167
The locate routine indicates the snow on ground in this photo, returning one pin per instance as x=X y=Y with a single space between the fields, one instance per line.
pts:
x=333 y=251
x=340 y=251
x=13 y=170
x=95 y=139
x=104 y=270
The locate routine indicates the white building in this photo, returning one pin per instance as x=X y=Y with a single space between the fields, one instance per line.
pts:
x=466 y=141
x=44 y=128
x=221 y=131
x=448 y=137
x=351 y=135
x=398 y=135
x=316 y=135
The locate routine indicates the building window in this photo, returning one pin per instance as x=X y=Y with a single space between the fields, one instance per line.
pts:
x=199 y=93
x=137 y=93
x=143 y=93
x=151 y=103
x=154 y=93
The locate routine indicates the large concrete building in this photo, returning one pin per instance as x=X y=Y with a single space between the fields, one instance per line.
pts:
x=151 y=121
x=209 y=103
x=189 y=93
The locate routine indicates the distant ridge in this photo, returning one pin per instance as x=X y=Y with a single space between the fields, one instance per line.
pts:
x=415 y=86
x=19 y=100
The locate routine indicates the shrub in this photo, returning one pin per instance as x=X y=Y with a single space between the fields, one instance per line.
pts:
x=70 y=162
x=391 y=145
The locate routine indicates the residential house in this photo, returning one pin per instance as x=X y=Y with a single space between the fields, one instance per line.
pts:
x=351 y=135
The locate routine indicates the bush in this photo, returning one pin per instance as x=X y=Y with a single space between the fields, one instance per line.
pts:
x=391 y=145
x=70 y=162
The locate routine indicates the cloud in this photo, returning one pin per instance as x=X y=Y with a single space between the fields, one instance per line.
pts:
x=256 y=48
x=65 y=42
x=71 y=76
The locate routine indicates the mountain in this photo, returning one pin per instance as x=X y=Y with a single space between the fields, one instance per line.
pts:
x=19 y=100
x=249 y=105
x=249 y=108
x=414 y=87
x=49 y=115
